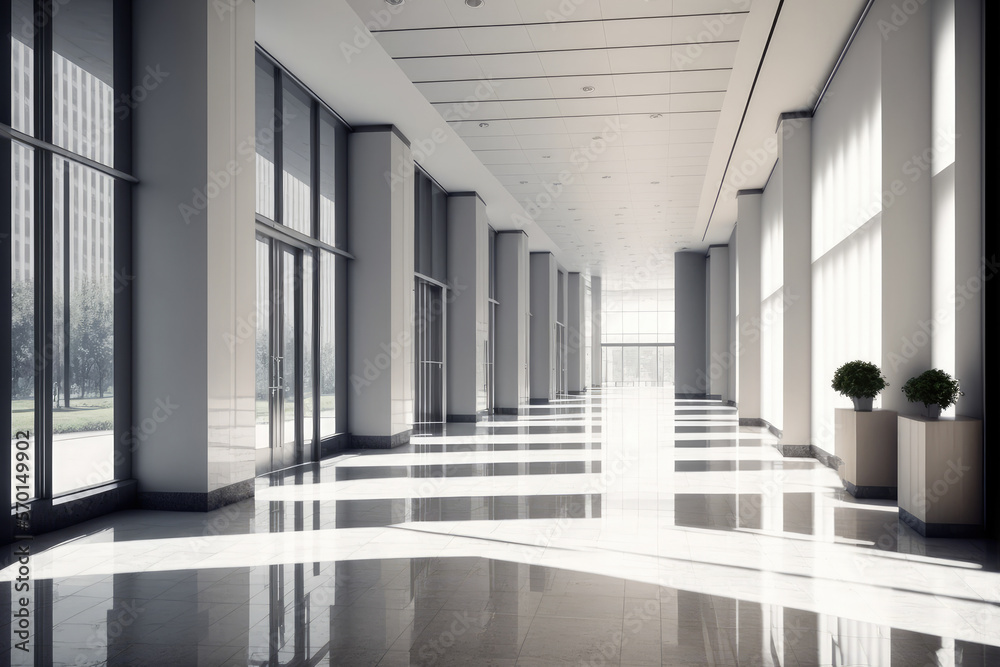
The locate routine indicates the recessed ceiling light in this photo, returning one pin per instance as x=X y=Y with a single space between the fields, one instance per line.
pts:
x=484 y=125
x=475 y=4
x=588 y=89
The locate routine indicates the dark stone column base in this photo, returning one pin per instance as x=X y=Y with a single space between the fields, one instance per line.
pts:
x=381 y=441
x=939 y=529
x=873 y=492
x=196 y=502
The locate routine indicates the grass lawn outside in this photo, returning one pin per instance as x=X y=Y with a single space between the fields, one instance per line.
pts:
x=84 y=414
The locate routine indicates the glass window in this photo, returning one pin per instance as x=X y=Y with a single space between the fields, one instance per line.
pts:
x=83 y=295
x=262 y=421
x=308 y=333
x=630 y=364
x=22 y=324
x=331 y=137
x=296 y=159
x=83 y=63
x=22 y=65
x=327 y=348
x=264 y=92
x=647 y=365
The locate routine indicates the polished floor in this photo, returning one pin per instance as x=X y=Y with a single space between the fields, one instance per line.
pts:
x=618 y=528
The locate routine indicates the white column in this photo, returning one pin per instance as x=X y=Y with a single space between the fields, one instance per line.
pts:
x=513 y=295
x=720 y=359
x=906 y=216
x=195 y=288
x=575 y=339
x=543 y=327
x=380 y=285
x=468 y=307
x=732 y=332
x=795 y=162
x=690 y=377
x=597 y=353
x=959 y=267
x=748 y=303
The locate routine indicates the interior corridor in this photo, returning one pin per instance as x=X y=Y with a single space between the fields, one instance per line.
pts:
x=622 y=527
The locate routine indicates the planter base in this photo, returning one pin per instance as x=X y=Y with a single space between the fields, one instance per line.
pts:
x=872 y=492
x=940 y=529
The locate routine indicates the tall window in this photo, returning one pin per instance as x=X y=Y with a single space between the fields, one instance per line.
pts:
x=301 y=203
x=637 y=331
x=68 y=158
x=430 y=248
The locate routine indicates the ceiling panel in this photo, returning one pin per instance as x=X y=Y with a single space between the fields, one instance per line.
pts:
x=556 y=11
x=496 y=39
x=510 y=65
x=523 y=89
x=555 y=35
x=564 y=63
x=617 y=100
x=399 y=44
x=458 y=91
x=441 y=69
x=490 y=13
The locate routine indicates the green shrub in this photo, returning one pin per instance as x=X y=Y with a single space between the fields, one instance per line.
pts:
x=933 y=387
x=859 y=379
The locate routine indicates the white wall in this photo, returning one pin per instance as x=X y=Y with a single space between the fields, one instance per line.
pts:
x=846 y=232
x=772 y=299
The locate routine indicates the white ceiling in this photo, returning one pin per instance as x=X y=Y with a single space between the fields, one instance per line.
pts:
x=670 y=78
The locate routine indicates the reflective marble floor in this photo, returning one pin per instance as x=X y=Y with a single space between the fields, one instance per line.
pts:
x=619 y=528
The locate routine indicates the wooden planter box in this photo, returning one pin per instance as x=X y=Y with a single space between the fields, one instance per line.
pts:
x=941 y=475
x=865 y=442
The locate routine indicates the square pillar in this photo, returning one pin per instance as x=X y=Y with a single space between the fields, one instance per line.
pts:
x=544 y=277
x=468 y=307
x=795 y=163
x=380 y=288
x=513 y=314
x=597 y=353
x=575 y=338
x=720 y=359
x=748 y=305
x=906 y=211
x=690 y=352
x=195 y=286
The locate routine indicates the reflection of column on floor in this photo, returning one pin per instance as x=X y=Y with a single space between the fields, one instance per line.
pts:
x=773 y=634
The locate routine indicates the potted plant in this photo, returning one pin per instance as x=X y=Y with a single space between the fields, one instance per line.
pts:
x=935 y=389
x=861 y=381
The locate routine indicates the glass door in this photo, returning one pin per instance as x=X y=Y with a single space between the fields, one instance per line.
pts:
x=279 y=355
x=430 y=324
